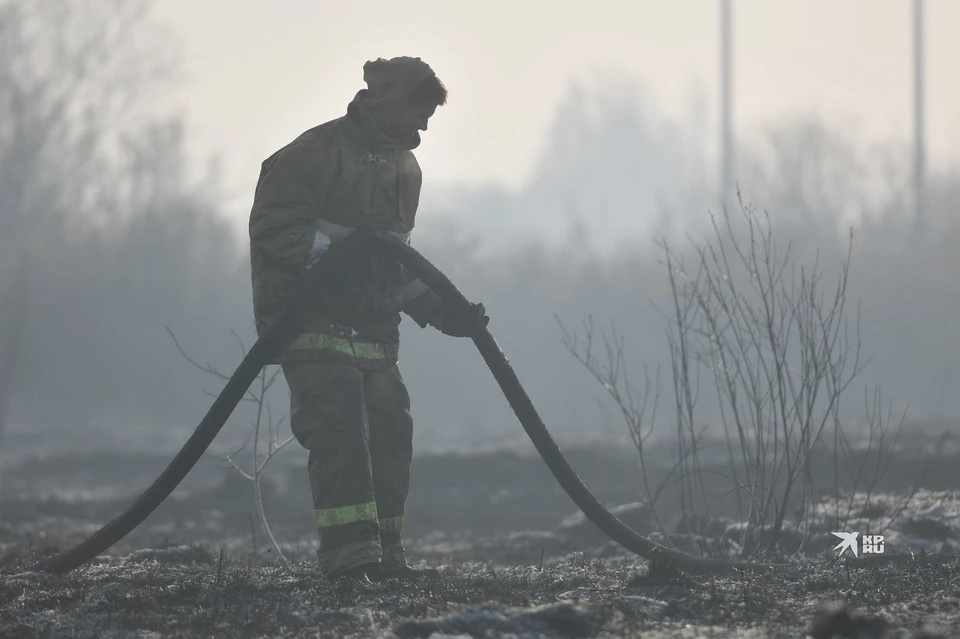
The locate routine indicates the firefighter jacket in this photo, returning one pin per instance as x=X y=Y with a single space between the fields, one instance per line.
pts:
x=314 y=192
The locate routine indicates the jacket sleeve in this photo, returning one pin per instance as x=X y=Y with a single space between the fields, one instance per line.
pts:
x=421 y=303
x=293 y=183
x=418 y=300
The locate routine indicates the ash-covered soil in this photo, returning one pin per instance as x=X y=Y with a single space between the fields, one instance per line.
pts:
x=515 y=559
x=186 y=592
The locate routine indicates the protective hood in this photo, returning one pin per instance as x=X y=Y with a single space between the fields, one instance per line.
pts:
x=389 y=85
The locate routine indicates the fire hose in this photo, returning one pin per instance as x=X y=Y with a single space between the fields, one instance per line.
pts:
x=274 y=337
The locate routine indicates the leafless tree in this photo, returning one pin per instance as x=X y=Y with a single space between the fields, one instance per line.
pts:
x=776 y=346
x=71 y=74
x=263 y=440
x=638 y=409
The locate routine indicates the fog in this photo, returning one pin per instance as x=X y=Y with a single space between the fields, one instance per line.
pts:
x=109 y=240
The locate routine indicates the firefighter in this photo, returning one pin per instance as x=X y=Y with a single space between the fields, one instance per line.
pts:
x=349 y=405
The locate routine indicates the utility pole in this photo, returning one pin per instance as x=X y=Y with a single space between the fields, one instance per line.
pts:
x=919 y=167
x=727 y=177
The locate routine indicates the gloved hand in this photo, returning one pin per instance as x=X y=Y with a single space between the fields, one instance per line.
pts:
x=460 y=320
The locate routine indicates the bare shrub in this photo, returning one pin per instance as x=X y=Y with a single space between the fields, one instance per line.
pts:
x=262 y=442
x=775 y=342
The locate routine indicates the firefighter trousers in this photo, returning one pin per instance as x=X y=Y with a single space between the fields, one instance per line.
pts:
x=354 y=419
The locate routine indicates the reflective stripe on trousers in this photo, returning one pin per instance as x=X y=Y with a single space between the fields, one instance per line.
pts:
x=360 y=350
x=347 y=514
x=358 y=512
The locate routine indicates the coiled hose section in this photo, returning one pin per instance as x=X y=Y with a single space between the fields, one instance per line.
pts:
x=274 y=338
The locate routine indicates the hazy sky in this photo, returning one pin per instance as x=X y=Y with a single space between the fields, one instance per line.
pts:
x=257 y=74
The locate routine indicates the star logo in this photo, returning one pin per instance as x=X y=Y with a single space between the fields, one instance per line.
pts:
x=849 y=541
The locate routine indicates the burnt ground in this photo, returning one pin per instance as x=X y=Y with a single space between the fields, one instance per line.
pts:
x=514 y=559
